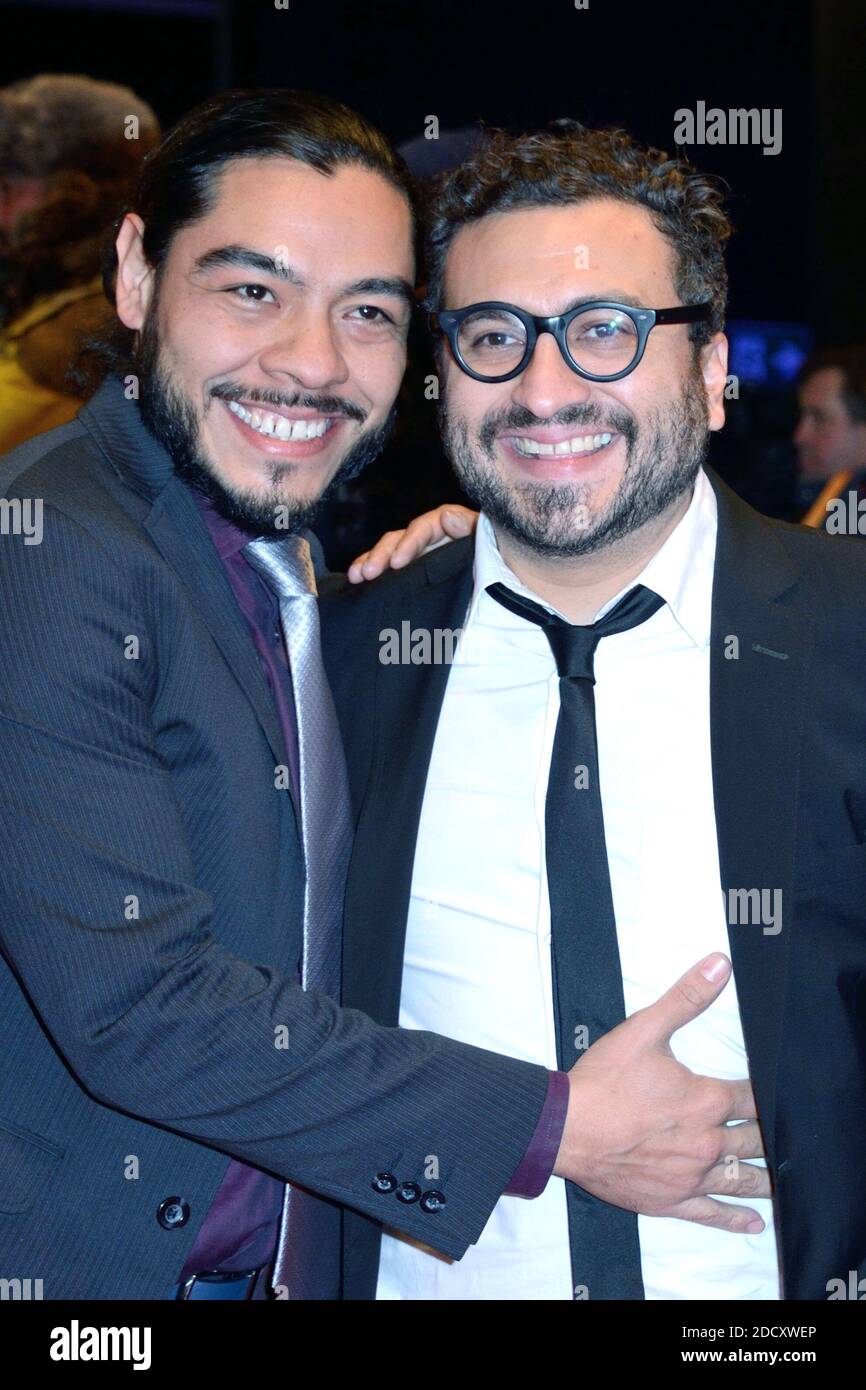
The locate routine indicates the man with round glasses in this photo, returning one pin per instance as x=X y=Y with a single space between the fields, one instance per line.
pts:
x=645 y=753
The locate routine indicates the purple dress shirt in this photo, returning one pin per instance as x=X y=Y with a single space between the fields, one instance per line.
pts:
x=240 y=1229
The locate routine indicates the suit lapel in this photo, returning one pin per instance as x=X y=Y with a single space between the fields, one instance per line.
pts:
x=761 y=643
x=113 y=419
x=178 y=532
x=407 y=700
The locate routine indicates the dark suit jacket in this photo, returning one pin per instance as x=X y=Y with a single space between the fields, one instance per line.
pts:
x=789 y=767
x=151 y=884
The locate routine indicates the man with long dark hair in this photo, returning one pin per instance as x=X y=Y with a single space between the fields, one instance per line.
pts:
x=176 y=821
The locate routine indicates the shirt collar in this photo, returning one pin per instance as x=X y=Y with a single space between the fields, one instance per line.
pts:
x=681 y=570
x=228 y=538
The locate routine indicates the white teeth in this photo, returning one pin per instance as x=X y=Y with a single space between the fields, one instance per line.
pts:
x=277 y=426
x=580 y=445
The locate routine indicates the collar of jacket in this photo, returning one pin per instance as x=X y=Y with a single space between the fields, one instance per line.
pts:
x=48 y=305
x=113 y=418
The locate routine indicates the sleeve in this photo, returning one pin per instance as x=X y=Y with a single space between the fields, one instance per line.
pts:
x=152 y=1013
x=536 y=1166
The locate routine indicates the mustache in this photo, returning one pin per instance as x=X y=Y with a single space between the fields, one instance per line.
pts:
x=326 y=405
x=517 y=417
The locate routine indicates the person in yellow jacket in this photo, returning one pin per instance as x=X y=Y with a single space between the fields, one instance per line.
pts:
x=70 y=149
x=36 y=351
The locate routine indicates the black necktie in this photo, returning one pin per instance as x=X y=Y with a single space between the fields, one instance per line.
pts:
x=587 y=975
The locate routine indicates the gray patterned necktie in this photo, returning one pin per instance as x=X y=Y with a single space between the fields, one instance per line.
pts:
x=308 y=1226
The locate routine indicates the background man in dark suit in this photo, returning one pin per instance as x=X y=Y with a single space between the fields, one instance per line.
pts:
x=830 y=440
x=646 y=744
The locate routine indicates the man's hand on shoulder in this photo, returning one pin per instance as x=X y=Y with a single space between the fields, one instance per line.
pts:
x=396 y=549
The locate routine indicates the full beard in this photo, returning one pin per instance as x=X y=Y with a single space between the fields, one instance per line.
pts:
x=171 y=418
x=663 y=458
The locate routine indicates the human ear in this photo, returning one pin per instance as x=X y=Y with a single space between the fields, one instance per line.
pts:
x=134 y=285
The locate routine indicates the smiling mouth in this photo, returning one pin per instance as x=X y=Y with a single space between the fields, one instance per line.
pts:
x=565 y=448
x=276 y=426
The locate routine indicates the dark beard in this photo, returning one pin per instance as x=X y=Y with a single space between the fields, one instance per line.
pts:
x=663 y=458
x=172 y=420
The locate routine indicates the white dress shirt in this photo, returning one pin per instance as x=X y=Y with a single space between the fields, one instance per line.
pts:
x=477 y=961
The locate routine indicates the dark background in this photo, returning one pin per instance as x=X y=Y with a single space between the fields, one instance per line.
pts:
x=798 y=254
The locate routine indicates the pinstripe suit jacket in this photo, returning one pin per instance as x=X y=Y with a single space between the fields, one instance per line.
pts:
x=151 y=884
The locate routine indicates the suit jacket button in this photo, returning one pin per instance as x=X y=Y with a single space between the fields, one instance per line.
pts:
x=384 y=1182
x=172 y=1213
x=432 y=1201
x=408 y=1192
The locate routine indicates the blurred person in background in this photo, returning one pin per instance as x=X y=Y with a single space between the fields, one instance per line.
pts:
x=70 y=149
x=830 y=438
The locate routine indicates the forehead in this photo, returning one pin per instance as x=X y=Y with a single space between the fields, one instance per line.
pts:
x=823 y=387
x=351 y=222
x=542 y=256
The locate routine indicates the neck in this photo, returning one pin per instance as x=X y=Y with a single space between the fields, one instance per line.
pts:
x=578 y=586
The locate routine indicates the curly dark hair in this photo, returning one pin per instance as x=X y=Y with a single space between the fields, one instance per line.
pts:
x=568 y=163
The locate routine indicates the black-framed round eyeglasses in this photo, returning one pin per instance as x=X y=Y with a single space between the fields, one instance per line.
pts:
x=601 y=340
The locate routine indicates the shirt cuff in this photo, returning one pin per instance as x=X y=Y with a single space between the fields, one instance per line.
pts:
x=536 y=1166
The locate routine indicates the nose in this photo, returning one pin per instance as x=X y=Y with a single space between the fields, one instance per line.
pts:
x=307 y=351
x=548 y=383
x=802 y=434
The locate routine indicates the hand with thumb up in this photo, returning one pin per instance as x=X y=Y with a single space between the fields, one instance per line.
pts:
x=645 y=1133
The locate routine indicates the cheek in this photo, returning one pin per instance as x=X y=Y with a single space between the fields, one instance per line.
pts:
x=472 y=401
x=200 y=342
x=375 y=374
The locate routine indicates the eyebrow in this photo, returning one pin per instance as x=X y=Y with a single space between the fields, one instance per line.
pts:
x=612 y=296
x=245 y=257
x=395 y=286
